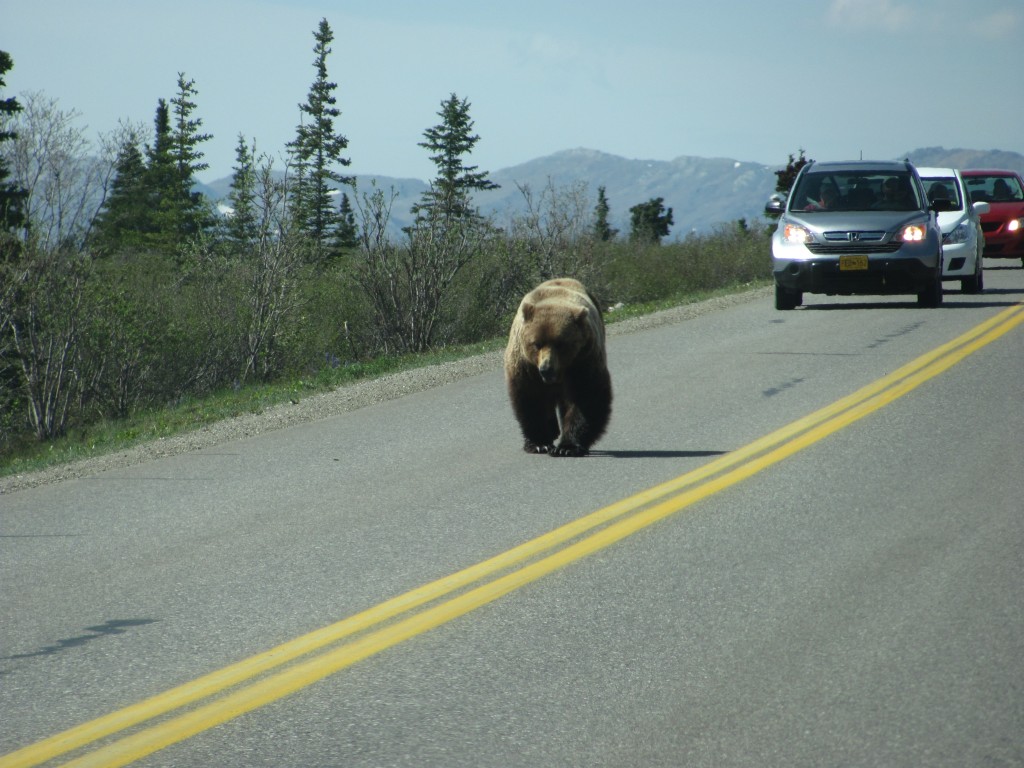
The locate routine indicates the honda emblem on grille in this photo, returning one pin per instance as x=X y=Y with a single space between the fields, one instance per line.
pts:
x=854 y=236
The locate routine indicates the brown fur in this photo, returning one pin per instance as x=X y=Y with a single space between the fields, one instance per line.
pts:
x=556 y=369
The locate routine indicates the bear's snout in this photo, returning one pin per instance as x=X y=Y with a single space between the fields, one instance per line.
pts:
x=547 y=366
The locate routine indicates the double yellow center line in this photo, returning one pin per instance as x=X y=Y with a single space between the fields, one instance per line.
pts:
x=123 y=737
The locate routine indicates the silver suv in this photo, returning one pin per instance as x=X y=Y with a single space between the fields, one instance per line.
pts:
x=857 y=228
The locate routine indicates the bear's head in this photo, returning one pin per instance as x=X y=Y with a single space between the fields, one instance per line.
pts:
x=552 y=337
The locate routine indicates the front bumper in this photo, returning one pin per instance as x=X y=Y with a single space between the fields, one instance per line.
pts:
x=1004 y=245
x=958 y=260
x=884 y=275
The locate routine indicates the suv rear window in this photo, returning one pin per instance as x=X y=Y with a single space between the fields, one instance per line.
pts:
x=855 y=191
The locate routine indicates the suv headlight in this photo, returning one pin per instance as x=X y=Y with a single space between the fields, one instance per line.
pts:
x=913 y=233
x=794 y=234
x=1015 y=225
x=958 y=235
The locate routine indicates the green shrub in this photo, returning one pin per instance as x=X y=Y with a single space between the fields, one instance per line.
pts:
x=149 y=332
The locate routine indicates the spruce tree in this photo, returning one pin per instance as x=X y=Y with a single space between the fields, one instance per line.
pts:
x=126 y=220
x=602 y=229
x=160 y=187
x=12 y=196
x=316 y=152
x=348 y=232
x=650 y=221
x=450 y=195
x=242 y=224
x=191 y=214
x=785 y=177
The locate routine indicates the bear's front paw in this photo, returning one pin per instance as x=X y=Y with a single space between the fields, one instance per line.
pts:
x=568 y=449
x=531 y=447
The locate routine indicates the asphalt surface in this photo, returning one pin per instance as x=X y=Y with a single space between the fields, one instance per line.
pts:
x=855 y=603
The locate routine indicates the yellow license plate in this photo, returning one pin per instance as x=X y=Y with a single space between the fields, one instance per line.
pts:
x=851 y=263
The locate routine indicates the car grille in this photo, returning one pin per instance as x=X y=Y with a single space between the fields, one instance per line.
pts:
x=838 y=249
x=839 y=243
x=869 y=236
x=990 y=226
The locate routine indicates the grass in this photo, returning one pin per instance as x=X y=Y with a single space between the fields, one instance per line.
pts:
x=190 y=414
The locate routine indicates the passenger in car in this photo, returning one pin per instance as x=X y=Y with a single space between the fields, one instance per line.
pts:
x=861 y=197
x=895 y=194
x=828 y=195
x=938 y=191
x=1001 y=190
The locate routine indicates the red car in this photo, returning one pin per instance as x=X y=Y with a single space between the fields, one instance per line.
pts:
x=1003 y=225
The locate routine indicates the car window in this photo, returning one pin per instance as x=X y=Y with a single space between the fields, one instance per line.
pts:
x=994 y=189
x=855 y=191
x=943 y=187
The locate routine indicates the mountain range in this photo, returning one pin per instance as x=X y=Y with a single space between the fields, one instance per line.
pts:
x=702 y=192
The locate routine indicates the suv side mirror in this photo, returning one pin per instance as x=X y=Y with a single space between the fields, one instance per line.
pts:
x=981 y=207
x=776 y=205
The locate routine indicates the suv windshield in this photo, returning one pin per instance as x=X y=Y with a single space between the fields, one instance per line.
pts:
x=943 y=188
x=994 y=189
x=855 y=191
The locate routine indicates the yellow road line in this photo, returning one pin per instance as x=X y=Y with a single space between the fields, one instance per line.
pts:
x=641 y=510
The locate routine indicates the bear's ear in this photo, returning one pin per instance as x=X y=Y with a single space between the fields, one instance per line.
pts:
x=581 y=313
x=527 y=310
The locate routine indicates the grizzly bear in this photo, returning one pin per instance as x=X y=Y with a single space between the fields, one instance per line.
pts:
x=556 y=369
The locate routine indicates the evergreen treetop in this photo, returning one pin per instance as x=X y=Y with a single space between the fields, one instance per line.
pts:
x=650 y=221
x=316 y=152
x=11 y=195
x=602 y=229
x=450 y=193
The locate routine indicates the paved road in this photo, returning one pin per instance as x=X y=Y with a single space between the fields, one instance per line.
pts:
x=842 y=590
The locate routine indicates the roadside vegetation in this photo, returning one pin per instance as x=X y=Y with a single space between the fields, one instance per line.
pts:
x=130 y=309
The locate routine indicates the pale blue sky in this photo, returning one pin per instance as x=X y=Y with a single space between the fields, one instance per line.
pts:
x=752 y=80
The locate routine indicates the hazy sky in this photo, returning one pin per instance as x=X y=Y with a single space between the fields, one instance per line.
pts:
x=753 y=80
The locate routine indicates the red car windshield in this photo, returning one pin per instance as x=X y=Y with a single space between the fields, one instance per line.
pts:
x=994 y=189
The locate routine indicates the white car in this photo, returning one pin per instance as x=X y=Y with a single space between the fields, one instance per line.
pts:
x=963 y=242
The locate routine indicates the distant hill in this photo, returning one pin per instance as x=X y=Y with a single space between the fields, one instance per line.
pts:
x=702 y=192
x=965 y=159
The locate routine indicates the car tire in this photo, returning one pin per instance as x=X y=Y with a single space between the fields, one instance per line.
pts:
x=931 y=294
x=786 y=299
x=975 y=283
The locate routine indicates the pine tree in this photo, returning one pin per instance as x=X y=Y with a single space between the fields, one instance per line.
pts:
x=450 y=195
x=602 y=229
x=191 y=214
x=786 y=176
x=348 y=232
x=152 y=205
x=126 y=220
x=140 y=211
x=242 y=224
x=11 y=195
x=650 y=221
x=160 y=188
x=316 y=151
